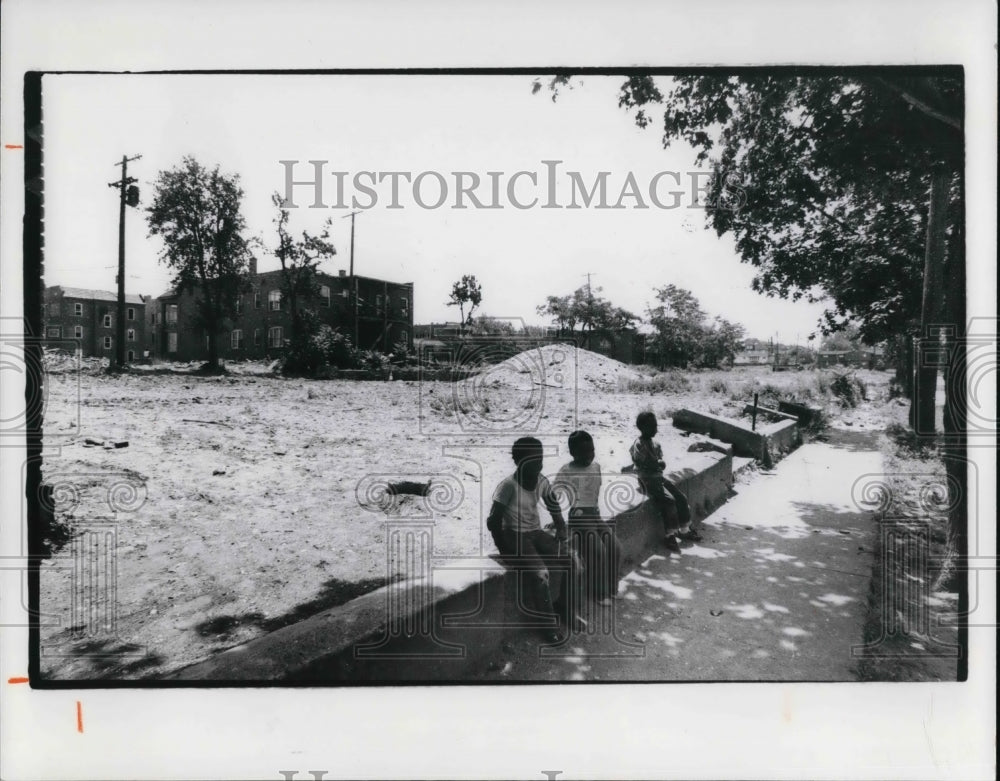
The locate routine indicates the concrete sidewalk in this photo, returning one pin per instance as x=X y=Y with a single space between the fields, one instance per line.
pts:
x=777 y=589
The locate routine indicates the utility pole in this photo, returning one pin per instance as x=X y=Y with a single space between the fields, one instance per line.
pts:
x=354 y=281
x=128 y=193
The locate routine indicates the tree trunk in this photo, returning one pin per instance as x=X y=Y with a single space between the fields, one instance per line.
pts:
x=956 y=423
x=904 y=364
x=922 y=407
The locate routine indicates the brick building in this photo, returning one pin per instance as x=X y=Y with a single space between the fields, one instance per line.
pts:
x=374 y=313
x=89 y=317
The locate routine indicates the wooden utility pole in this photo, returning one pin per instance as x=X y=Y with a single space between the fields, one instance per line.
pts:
x=130 y=195
x=354 y=281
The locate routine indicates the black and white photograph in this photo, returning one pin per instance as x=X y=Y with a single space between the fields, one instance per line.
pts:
x=619 y=379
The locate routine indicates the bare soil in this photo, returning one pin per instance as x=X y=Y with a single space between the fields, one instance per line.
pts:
x=245 y=502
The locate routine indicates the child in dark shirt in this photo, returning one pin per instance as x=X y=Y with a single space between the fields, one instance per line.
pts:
x=647 y=456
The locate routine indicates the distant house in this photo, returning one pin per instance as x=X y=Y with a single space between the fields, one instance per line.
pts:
x=752 y=358
x=89 y=317
x=374 y=313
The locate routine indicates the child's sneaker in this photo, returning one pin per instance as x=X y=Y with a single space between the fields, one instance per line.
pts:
x=673 y=545
x=690 y=536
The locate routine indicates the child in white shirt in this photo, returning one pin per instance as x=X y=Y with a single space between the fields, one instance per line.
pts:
x=595 y=540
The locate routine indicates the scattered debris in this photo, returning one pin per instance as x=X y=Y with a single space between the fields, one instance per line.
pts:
x=216 y=472
x=206 y=422
x=716 y=612
x=409 y=487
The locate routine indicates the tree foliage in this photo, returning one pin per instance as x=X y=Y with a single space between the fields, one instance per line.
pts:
x=300 y=259
x=588 y=311
x=196 y=212
x=466 y=292
x=685 y=336
x=822 y=181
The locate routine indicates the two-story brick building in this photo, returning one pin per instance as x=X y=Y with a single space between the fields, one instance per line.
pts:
x=90 y=318
x=375 y=314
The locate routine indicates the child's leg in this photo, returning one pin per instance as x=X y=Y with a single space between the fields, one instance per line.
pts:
x=585 y=522
x=664 y=505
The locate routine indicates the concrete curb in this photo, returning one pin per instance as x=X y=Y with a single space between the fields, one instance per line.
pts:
x=435 y=628
x=768 y=443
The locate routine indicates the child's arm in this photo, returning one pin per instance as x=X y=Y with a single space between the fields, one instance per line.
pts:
x=552 y=505
x=494 y=522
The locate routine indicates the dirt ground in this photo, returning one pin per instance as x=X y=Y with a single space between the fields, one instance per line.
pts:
x=244 y=502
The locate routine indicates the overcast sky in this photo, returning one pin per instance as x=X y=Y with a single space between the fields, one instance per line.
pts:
x=247 y=123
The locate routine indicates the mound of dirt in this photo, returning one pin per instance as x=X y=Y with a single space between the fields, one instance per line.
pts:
x=558 y=366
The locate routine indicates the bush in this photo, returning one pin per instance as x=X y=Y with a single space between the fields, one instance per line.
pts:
x=848 y=389
x=327 y=348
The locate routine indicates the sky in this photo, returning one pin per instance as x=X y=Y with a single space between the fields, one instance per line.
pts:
x=246 y=124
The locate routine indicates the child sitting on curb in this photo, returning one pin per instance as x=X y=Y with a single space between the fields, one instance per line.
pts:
x=595 y=540
x=647 y=456
x=514 y=523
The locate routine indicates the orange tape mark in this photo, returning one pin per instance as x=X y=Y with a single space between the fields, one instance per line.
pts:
x=17 y=679
x=13 y=146
x=79 y=716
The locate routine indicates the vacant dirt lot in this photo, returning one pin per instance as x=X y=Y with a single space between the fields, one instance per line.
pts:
x=244 y=502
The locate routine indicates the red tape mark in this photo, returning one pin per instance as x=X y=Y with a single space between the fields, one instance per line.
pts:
x=17 y=679
x=79 y=716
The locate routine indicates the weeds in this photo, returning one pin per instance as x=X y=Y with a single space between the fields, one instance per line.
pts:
x=664 y=382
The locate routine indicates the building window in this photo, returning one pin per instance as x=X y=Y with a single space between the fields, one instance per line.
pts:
x=107 y=321
x=256 y=337
x=54 y=332
x=345 y=293
x=274 y=336
x=236 y=339
x=378 y=304
x=107 y=342
x=158 y=320
x=404 y=336
x=130 y=314
x=131 y=356
x=78 y=310
x=274 y=300
x=172 y=313
x=239 y=305
x=77 y=331
x=324 y=294
x=404 y=306
x=256 y=299
x=206 y=341
x=172 y=342
x=130 y=335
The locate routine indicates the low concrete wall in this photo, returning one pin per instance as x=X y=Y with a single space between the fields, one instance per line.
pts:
x=806 y=414
x=767 y=412
x=766 y=444
x=438 y=627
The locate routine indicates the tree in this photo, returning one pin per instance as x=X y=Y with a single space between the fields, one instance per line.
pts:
x=196 y=211
x=466 y=292
x=683 y=335
x=299 y=259
x=848 y=339
x=588 y=311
